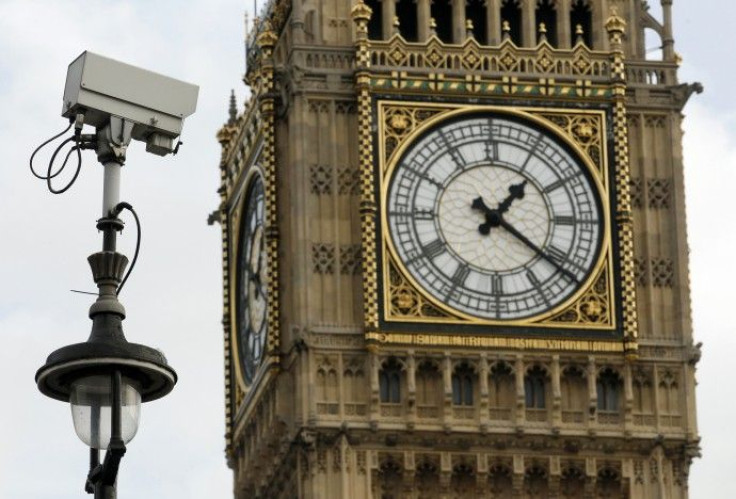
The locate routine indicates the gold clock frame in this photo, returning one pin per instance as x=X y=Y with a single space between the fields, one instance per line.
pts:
x=590 y=307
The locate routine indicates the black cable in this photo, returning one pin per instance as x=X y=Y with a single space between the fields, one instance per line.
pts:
x=49 y=176
x=114 y=213
x=71 y=122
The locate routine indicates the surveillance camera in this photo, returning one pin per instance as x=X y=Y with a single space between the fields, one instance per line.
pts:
x=99 y=87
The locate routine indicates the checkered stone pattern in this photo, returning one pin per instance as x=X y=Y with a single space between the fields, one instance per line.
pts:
x=267 y=41
x=624 y=219
x=367 y=205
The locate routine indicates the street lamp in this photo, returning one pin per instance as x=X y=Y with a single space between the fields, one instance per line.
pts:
x=106 y=378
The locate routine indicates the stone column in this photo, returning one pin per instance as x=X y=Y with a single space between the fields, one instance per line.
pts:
x=297 y=22
x=528 y=23
x=564 y=30
x=520 y=397
x=556 y=392
x=493 y=21
x=668 y=42
x=592 y=390
x=458 y=21
x=483 y=383
x=424 y=13
x=447 y=389
x=388 y=12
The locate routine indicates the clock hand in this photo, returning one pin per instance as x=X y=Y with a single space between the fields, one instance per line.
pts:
x=521 y=237
x=493 y=217
x=516 y=191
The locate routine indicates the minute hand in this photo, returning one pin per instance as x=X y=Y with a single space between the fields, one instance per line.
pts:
x=521 y=237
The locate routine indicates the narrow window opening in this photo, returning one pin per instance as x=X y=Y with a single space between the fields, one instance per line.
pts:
x=390 y=382
x=475 y=11
x=547 y=15
x=462 y=386
x=442 y=14
x=581 y=15
x=375 y=31
x=406 y=11
x=608 y=388
x=534 y=388
x=511 y=14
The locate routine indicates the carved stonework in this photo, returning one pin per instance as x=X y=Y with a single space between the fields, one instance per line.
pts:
x=320 y=179
x=663 y=272
x=658 y=193
x=348 y=181
x=323 y=258
x=350 y=259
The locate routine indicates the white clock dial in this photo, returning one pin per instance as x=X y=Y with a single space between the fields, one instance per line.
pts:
x=493 y=216
x=252 y=289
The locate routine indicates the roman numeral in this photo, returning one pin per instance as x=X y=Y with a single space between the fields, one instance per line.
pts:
x=491 y=151
x=556 y=254
x=554 y=185
x=564 y=220
x=423 y=214
x=461 y=273
x=434 y=249
x=496 y=285
x=532 y=278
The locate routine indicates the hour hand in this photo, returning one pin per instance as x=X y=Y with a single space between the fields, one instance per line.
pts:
x=516 y=191
x=478 y=204
x=485 y=227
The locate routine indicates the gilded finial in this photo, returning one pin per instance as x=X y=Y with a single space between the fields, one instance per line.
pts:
x=432 y=26
x=579 y=38
x=542 y=32
x=469 y=28
x=506 y=28
x=396 y=25
x=361 y=12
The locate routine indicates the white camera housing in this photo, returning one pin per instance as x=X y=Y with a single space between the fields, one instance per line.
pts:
x=99 y=87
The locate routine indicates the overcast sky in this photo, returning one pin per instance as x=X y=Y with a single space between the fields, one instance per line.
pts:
x=173 y=298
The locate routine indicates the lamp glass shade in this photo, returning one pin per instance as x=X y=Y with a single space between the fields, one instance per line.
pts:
x=91 y=401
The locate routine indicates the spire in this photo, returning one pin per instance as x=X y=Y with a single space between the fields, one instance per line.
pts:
x=233 y=111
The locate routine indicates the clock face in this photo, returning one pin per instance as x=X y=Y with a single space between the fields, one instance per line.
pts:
x=494 y=217
x=252 y=289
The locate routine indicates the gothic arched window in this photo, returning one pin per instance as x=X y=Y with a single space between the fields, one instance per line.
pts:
x=609 y=390
x=390 y=382
x=535 y=383
x=547 y=15
x=581 y=15
x=462 y=385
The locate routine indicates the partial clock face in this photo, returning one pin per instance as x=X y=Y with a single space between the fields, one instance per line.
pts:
x=494 y=217
x=252 y=289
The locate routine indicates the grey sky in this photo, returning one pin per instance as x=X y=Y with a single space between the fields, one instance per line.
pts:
x=174 y=296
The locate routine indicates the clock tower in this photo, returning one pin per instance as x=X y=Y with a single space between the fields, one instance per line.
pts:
x=454 y=253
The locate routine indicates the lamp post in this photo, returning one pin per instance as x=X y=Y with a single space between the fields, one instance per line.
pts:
x=106 y=378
